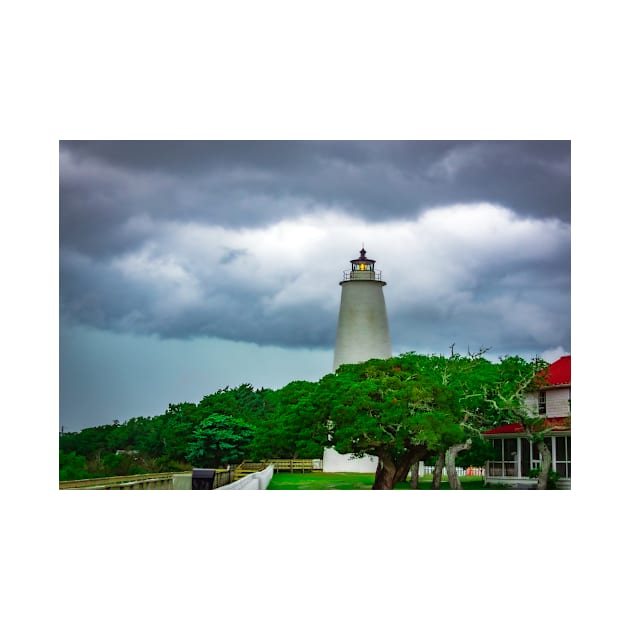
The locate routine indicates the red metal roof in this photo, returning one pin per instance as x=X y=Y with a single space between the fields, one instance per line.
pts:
x=557 y=424
x=559 y=372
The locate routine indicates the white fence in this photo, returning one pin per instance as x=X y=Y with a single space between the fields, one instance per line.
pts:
x=461 y=472
x=254 y=481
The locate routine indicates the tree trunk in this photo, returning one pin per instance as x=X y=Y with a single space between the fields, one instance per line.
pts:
x=407 y=460
x=385 y=473
x=545 y=465
x=451 y=456
x=437 y=472
x=413 y=482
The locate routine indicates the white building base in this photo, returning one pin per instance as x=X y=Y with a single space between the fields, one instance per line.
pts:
x=336 y=462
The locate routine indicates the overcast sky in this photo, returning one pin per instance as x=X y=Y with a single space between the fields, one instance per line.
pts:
x=190 y=266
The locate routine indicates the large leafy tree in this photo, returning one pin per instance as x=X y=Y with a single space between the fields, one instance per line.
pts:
x=489 y=394
x=492 y=394
x=396 y=409
x=405 y=408
x=474 y=382
x=219 y=440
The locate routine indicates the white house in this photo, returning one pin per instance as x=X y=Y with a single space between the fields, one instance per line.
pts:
x=514 y=455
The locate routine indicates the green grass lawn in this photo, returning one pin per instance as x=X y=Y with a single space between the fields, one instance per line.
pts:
x=355 y=481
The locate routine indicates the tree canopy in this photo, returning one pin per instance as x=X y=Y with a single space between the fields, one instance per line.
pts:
x=400 y=410
x=219 y=440
x=404 y=408
x=272 y=424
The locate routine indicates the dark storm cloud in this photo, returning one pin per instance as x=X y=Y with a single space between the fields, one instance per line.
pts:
x=103 y=184
x=246 y=241
x=106 y=297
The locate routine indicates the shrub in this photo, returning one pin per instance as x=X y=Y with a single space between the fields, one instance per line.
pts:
x=552 y=478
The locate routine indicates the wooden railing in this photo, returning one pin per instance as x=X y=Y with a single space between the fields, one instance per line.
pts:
x=150 y=481
x=289 y=465
x=223 y=478
x=295 y=465
x=126 y=483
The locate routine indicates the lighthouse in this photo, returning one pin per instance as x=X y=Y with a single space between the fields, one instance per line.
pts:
x=362 y=328
x=362 y=334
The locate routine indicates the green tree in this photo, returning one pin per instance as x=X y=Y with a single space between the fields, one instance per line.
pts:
x=291 y=427
x=176 y=430
x=480 y=452
x=396 y=409
x=72 y=466
x=472 y=380
x=408 y=407
x=240 y=402
x=117 y=465
x=88 y=442
x=489 y=394
x=219 y=440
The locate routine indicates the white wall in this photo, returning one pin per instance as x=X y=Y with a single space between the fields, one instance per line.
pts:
x=336 y=462
x=557 y=402
x=255 y=481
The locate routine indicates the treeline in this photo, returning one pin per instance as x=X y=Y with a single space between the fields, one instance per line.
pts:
x=401 y=410
x=223 y=428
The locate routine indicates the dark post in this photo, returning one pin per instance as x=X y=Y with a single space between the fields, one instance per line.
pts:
x=202 y=479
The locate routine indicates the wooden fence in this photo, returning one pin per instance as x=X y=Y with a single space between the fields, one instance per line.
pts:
x=151 y=481
x=279 y=465
x=296 y=465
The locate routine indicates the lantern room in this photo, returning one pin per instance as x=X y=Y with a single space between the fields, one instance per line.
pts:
x=362 y=269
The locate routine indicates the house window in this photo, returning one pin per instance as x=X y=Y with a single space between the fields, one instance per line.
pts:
x=560 y=447
x=526 y=457
x=542 y=403
x=563 y=456
x=515 y=457
x=505 y=459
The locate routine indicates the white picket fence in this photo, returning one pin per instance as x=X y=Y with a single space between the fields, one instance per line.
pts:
x=461 y=472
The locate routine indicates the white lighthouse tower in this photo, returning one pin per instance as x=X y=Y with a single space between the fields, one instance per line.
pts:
x=362 y=334
x=362 y=329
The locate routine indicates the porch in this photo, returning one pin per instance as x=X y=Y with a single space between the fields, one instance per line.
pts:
x=515 y=456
